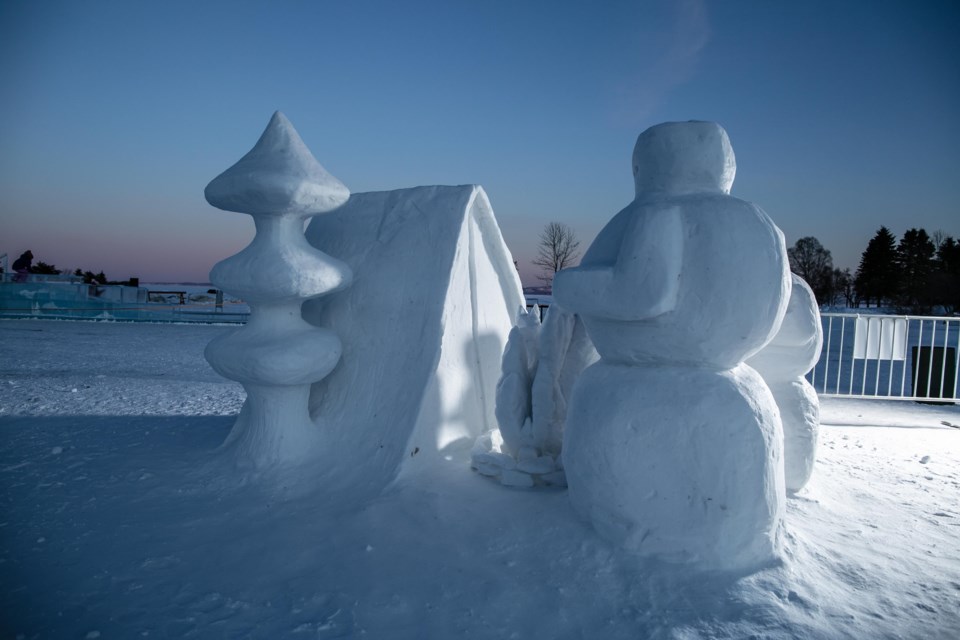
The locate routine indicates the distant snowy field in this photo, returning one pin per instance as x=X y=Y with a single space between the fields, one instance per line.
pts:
x=119 y=521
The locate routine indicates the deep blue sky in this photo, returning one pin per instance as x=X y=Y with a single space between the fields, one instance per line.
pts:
x=114 y=115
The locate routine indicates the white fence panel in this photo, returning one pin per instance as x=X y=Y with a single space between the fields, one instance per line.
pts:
x=890 y=357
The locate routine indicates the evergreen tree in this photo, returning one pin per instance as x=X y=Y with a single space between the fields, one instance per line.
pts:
x=944 y=284
x=43 y=268
x=876 y=277
x=915 y=261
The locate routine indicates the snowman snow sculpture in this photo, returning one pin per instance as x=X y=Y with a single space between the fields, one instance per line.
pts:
x=672 y=446
x=783 y=363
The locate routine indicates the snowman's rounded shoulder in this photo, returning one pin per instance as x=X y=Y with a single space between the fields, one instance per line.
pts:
x=717 y=203
x=606 y=245
x=729 y=220
x=691 y=207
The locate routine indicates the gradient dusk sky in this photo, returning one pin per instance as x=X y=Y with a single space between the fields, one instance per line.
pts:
x=845 y=115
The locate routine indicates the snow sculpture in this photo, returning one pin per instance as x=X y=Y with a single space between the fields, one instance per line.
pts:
x=424 y=323
x=277 y=355
x=496 y=452
x=783 y=363
x=673 y=447
x=540 y=365
x=565 y=351
x=517 y=370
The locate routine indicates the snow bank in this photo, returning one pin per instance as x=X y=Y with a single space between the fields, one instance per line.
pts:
x=423 y=327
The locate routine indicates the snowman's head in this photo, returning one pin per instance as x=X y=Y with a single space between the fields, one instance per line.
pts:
x=683 y=157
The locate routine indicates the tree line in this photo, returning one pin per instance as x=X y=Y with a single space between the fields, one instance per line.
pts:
x=89 y=277
x=919 y=273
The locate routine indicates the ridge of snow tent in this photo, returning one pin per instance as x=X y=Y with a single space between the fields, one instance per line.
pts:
x=423 y=328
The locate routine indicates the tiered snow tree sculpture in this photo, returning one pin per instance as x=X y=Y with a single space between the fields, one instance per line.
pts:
x=783 y=363
x=672 y=446
x=277 y=355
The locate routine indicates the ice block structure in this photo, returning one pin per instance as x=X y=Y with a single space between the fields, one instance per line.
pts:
x=277 y=355
x=672 y=446
x=783 y=363
x=423 y=326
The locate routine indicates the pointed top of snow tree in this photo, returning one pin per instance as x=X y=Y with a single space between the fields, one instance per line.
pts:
x=279 y=176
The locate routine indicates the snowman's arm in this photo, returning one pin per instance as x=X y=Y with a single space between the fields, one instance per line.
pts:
x=644 y=280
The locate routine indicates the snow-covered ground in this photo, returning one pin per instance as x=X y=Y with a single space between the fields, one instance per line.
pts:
x=119 y=520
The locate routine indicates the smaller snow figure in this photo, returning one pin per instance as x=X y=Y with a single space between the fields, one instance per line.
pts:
x=672 y=446
x=518 y=368
x=783 y=363
x=539 y=367
x=511 y=454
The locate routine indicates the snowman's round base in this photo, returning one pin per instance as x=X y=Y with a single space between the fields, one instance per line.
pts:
x=677 y=463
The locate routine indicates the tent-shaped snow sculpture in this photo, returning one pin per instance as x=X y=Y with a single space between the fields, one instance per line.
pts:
x=424 y=325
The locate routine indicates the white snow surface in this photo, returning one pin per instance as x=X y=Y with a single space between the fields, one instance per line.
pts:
x=119 y=521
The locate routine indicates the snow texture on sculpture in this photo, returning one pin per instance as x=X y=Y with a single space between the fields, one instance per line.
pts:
x=673 y=447
x=425 y=322
x=276 y=355
x=540 y=365
x=783 y=363
x=519 y=366
x=565 y=351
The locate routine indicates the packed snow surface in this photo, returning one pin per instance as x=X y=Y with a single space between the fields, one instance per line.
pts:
x=119 y=521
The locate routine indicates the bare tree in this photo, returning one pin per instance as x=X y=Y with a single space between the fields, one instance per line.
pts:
x=558 y=250
x=813 y=263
